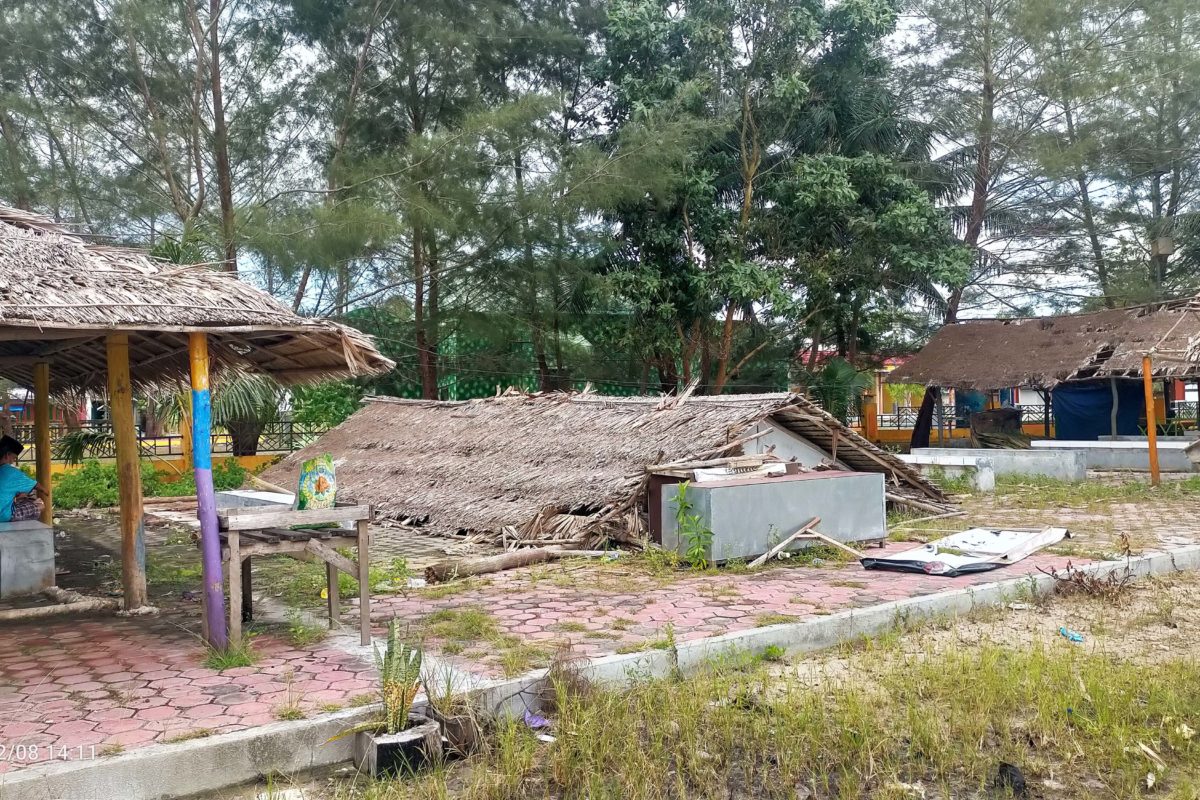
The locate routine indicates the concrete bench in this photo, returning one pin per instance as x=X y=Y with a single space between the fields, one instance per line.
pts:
x=977 y=468
x=1063 y=465
x=26 y=558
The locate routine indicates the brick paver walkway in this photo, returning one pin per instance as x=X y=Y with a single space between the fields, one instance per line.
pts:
x=604 y=609
x=87 y=687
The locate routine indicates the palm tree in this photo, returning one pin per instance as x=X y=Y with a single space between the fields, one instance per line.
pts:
x=838 y=386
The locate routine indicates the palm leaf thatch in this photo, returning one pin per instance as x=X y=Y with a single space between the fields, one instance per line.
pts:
x=60 y=296
x=990 y=354
x=558 y=467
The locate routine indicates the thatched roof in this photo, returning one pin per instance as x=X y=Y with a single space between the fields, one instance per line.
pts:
x=518 y=460
x=60 y=295
x=990 y=354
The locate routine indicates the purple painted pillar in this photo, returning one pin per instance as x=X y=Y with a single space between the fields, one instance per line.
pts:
x=206 y=501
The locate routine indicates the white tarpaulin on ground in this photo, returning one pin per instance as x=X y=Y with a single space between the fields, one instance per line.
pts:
x=973 y=550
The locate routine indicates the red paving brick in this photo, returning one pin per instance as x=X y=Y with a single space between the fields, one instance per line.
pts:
x=79 y=687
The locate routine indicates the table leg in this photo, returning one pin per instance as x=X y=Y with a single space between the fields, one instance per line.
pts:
x=364 y=582
x=235 y=586
x=247 y=591
x=331 y=579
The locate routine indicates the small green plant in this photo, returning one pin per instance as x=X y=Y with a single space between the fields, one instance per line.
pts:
x=303 y=633
x=289 y=712
x=763 y=620
x=773 y=653
x=696 y=535
x=399 y=667
x=233 y=656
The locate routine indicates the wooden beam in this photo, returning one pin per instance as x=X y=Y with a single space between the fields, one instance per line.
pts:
x=41 y=435
x=1151 y=422
x=331 y=556
x=129 y=476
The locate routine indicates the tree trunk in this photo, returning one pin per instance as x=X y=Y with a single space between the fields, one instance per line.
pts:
x=22 y=196
x=724 y=351
x=221 y=140
x=429 y=370
x=981 y=180
x=244 y=436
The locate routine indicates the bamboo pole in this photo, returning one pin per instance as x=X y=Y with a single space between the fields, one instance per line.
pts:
x=206 y=502
x=1151 y=422
x=129 y=475
x=41 y=435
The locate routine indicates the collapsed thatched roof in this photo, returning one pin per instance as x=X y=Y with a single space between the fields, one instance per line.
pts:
x=990 y=354
x=486 y=465
x=60 y=295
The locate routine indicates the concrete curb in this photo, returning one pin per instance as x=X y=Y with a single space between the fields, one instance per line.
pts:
x=164 y=771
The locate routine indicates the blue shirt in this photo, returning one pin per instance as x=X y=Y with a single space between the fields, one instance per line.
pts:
x=12 y=483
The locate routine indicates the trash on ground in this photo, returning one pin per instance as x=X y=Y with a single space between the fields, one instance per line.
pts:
x=1009 y=776
x=1070 y=635
x=973 y=550
x=536 y=721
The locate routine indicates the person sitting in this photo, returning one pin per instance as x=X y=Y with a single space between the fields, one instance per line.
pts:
x=21 y=497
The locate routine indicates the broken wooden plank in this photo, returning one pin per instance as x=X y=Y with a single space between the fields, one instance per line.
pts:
x=252 y=518
x=777 y=549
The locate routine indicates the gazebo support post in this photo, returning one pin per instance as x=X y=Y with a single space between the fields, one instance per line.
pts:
x=206 y=502
x=129 y=475
x=1151 y=422
x=41 y=433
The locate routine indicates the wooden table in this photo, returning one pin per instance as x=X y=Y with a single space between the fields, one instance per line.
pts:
x=268 y=530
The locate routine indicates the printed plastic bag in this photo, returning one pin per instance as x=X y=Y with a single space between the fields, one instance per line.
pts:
x=318 y=484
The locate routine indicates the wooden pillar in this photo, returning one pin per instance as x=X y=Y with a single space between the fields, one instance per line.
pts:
x=1151 y=423
x=1046 y=412
x=41 y=436
x=216 y=630
x=870 y=417
x=1116 y=403
x=129 y=473
x=185 y=427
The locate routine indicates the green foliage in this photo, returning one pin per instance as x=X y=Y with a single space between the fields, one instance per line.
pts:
x=692 y=530
x=326 y=404
x=839 y=387
x=94 y=485
x=240 y=655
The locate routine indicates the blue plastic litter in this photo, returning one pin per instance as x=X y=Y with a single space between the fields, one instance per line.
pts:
x=1074 y=636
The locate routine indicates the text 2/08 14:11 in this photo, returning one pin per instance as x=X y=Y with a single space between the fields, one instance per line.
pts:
x=49 y=752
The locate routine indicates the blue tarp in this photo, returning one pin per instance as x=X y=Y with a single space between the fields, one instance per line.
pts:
x=1083 y=411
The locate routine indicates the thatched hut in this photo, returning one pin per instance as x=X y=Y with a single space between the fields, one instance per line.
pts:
x=555 y=467
x=1087 y=367
x=76 y=315
x=991 y=354
x=60 y=296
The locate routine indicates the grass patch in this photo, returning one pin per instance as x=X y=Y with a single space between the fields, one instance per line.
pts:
x=571 y=627
x=1032 y=491
x=763 y=620
x=360 y=700
x=111 y=750
x=441 y=590
x=329 y=708
x=520 y=657
x=1059 y=713
x=466 y=624
x=304 y=634
x=187 y=736
x=289 y=712
x=621 y=624
x=240 y=655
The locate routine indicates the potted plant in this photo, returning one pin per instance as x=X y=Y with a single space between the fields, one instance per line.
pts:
x=402 y=740
x=453 y=711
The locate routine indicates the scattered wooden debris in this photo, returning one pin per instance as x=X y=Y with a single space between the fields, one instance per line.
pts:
x=465 y=567
x=1112 y=586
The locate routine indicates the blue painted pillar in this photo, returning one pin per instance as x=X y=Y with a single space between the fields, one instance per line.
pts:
x=206 y=501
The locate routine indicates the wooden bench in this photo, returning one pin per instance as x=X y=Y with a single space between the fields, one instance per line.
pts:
x=267 y=530
x=26 y=558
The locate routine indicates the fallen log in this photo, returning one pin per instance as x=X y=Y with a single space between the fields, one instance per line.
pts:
x=465 y=567
x=67 y=603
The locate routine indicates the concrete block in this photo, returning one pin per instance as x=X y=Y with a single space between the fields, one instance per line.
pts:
x=1124 y=455
x=26 y=558
x=1063 y=465
x=979 y=470
x=749 y=515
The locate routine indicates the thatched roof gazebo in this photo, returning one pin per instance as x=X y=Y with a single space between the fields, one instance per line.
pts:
x=991 y=354
x=529 y=466
x=76 y=315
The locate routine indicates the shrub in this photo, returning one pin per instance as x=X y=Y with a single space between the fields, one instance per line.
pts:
x=94 y=485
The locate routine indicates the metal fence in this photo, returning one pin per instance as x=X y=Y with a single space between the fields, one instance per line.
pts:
x=276 y=437
x=905 y=417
